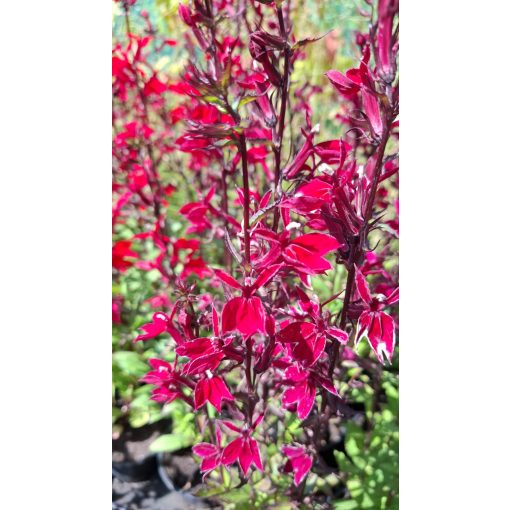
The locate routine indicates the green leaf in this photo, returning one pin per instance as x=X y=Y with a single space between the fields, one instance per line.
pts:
x=130 y=363
x=346 y=505
x=172 y=442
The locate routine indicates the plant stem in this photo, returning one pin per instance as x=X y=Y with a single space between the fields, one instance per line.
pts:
x=246 y=205
x=224 y=206
x=277 y=147
x=248 y=364
x=249 y=383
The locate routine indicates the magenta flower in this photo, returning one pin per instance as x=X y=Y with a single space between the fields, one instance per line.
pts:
x=162 y=372
x=306 y=340
x=196 y=213
x=153 y=329
x=211 y=455
x=306 y=343
x=309 y=196
x=385 y=42
x=167 y=380
x=204 y=353
x=211 y=389
x=306 y=252
x=378 y=327
x=121 y=255
x=299 y=462
x=243 y=449
x=246 y=314
x=356 y=80
x=301 y=392
x=302 y=389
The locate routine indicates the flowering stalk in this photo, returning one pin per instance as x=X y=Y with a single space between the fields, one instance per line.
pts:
x=358 y=247
x=252 y=338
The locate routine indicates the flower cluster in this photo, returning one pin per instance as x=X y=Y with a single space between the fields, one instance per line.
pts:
x=250 y=338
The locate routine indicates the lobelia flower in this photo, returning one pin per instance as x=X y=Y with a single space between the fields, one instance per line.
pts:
x=154 y=86
x=244 y=449
x=246 y=313
x=117 y=309
x=153 y=329
x=302 y=389
x=211 y=389
x=304 y=254
x=204 y=353
x=121 y=253
x=378 y=327
x=261 y=47
x=210 y=454
x=309 y=196
x=299 y=462
x=307 y=340
x=158 y=301
x=195 y=213
x=167 y=380
x=196 y=266
x=207 y=353
x=356 y=80
x=386 y=11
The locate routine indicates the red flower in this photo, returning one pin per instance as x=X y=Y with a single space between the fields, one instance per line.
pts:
x=162 y=372
x=244 y=448
x=387 y=59
x=167 y=380
x=153 y=329
x=307 y=343
x=306 y=252
x=195 y=213
x=299 y=462
x=210 y=453
x=117 y=309
x=309 y=197
x=302 y=389
x=378 y=327
x=246 y=314
x=154 y=86
x=196 y=266
x=211 y=389
x=121 y=253
x=354 y=81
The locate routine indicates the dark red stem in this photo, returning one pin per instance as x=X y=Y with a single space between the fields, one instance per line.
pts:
x=281 y=118
x=246 y=205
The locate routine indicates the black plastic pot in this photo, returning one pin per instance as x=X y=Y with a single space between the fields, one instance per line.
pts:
x=136 y=471
x=132 y=460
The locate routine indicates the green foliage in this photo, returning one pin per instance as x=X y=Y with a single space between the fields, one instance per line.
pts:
x=370 y=463
x=183 y=432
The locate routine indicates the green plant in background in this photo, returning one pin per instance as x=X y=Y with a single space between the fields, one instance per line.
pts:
x=370 y=461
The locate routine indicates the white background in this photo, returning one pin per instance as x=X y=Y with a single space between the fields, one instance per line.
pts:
x=55 y=246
